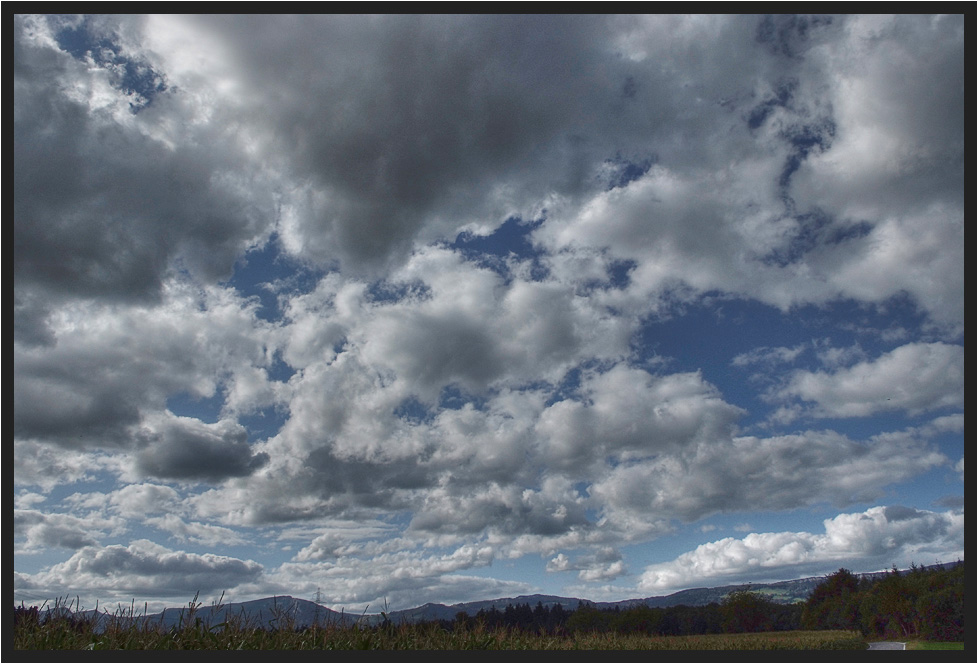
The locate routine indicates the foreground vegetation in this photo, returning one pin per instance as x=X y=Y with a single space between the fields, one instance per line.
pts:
x=925 y=604
x=66 y=633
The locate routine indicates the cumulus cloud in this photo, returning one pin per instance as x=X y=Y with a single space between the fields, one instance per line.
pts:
x=183 y=448
x=26 y=499
x=649 y=449
x=339 y=542
x=792 y=241
x=41 y=530
x=142 y=499
x=874 y=539
x=403 y=578
x=897 y=123
x=915 y=377
x=321 y=244
x=780 y=472
x=110 y=367
x=951 y=502
x=106 y=200
x=483 y=459
x=435 y=122
x=457 y=323
x=144 y=569
x=43 y=466
x=605 y=564
x=834 y=358
x=629 y=413
x=193 y=531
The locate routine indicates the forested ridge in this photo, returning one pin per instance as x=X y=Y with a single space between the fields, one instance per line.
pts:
x=916 y=603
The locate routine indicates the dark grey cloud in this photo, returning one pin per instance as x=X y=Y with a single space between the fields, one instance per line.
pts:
x=30 y=321
x=76 y=411
x=399 y=128
x=790 y=34
x=407 y=116
x=187 y=450
x=104 y=203
x=506 y=511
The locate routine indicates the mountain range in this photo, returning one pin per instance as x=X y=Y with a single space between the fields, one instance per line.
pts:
x=281 y=610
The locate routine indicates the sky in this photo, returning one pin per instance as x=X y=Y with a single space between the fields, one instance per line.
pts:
x=389 y=310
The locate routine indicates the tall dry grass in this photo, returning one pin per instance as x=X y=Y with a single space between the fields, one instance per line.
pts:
x=62 y=629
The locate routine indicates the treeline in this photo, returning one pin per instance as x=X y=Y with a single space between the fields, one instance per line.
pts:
x=919 y=603
x=742 y=611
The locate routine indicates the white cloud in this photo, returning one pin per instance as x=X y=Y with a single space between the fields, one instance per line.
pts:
x=780 y=472
x=46 y=467
x=605 y=564
x=25 y=500
x=401 y=578
x=896 y=226
x=915 y=377
x=42 y=530
x=834 y=358
x=768 y=356
x=142 y=499
x=630 y=414
x=112 y=365
x=473 y=329
x=874 y=539
x=899 y=124
x=338 y=543
x=143 y=569
x=192 y=531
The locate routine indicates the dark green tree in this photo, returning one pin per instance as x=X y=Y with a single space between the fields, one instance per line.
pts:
x=888 y=607
x=587 y=618
x=834 y=604
x=746 y=611
x=941 y=614
x=638 y=620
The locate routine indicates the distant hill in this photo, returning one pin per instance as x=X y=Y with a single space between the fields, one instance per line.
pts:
x=269 y=612
x=272 y=612
x=782 y=592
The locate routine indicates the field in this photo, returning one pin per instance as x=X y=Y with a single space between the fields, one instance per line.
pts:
x=31 y=633
x=935 y=645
